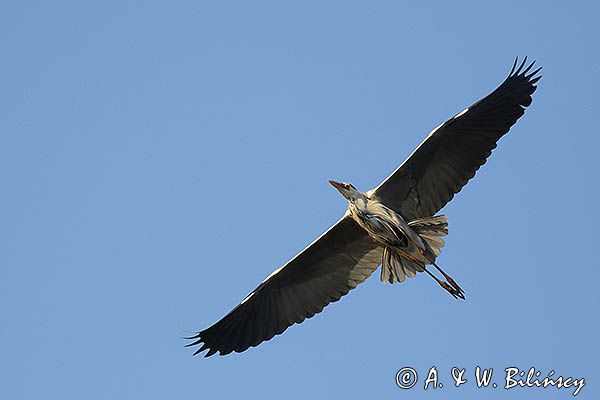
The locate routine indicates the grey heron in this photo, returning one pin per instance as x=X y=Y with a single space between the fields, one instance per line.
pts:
x=394 y=225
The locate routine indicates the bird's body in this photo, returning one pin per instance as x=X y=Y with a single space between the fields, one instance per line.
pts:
x=394 y=225
x=407 y=246
x=383 y=224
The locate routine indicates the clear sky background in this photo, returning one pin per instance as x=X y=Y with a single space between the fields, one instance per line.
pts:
x=159 y=159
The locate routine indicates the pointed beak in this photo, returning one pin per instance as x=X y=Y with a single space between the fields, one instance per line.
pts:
x=336 y=185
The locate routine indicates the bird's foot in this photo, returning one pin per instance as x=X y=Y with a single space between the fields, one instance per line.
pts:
x=457 y=289
x=449 y=289
x=456 y=293
x=450 y=286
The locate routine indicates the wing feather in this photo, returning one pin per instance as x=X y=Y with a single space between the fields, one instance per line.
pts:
x=329 y=268
x=453 y=152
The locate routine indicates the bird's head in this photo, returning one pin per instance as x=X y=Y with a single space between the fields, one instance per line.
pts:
x=347 y=190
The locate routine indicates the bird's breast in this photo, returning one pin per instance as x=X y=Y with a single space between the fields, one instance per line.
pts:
x=379 y=226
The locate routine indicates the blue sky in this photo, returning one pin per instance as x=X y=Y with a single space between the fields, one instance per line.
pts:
x=158 y=160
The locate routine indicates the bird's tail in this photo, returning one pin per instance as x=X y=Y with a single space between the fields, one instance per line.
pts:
x=396 y=268
x=431 y=230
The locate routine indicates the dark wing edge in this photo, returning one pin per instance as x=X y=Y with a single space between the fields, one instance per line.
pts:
x=453 y=152
x=335 y=263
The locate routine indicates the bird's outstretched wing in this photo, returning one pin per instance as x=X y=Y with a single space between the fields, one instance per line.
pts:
x=326 y=270
x=454 y=151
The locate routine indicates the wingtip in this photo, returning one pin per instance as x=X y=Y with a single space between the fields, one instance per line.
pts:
x=526 y=70
x=521 y=66
x=533 y=75
x=201 y=349
x=197 y=340
x=513 y=67
x=210 y=352
x=522 y=69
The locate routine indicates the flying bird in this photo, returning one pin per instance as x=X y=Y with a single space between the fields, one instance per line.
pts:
x=394 y=225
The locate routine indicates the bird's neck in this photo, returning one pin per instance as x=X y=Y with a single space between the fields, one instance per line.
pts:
x=359 y=204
